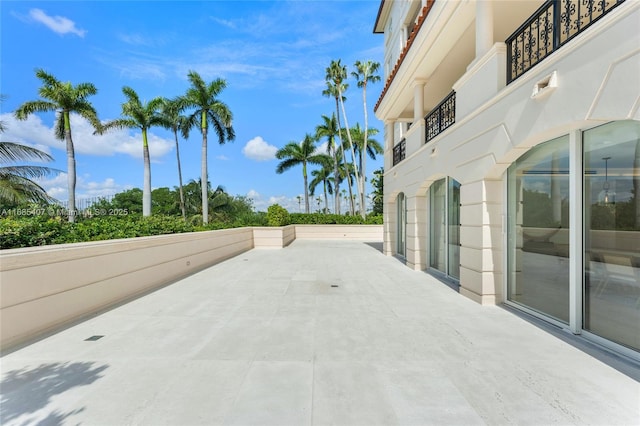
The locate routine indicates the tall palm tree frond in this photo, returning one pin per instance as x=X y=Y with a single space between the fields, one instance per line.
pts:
x=12 y=152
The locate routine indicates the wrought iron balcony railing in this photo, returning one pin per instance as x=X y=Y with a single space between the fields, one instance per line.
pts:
x=442 y=116
x=399 y=151
x=549 y=28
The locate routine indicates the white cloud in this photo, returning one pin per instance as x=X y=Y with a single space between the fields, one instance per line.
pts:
x=261 y=203
x=259 y=150
x=57 y=24
x=85 y=188
x=321 y=149
x=222 y=158
x=34 y=132
x=224 y=22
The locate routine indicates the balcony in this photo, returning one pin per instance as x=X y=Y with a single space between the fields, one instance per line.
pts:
x=548 y=29
x=319 y=332
x=399 y=151
x=442 y=117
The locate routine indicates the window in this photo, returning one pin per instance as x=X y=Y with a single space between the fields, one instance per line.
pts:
x=612 y=232
x=538 y=246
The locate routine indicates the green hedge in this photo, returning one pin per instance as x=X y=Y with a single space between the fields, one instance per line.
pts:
x=333 y=219
x=29 y=231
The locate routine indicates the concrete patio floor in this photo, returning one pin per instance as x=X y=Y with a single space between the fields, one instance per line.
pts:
x=265 y=338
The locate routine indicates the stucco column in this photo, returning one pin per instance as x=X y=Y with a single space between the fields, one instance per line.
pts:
x=389 y=136
x=484 y=27
x=481 y=240
x=416 y=232
x=418 y=99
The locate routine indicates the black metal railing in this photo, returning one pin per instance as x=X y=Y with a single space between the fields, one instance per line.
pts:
x=399 y=151
x=549 y=28
x=442 y=116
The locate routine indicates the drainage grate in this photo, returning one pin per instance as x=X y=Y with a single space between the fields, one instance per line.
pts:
x=335 y=285
x=93 y=338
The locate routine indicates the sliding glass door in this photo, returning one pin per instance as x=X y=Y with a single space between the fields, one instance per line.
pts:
x=612 y=232
x=444 y=226
x=538 y=220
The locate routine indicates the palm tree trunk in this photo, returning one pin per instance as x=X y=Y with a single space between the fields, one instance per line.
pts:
x=337 y=188
x=71 y=170
x=363 y=153
x=204 y=182
x=326 y=201
x=146 y=189
x=306 y=188
x=184 y=213
x=349 y=184
x=353 y=153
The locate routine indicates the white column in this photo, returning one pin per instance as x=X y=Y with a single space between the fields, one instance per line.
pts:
x=389 y=140
x=484 y=27
x=418 y=100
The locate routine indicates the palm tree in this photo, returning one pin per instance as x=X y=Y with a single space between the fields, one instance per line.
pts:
x=143 y=116
x=336 y=73
x=208 y=110
x=303 y=153
x=329 y=129
x=218 y=200
x=63 y=98
x=16 y=184
x=175 y=122
x=372 y=147
x=322 y=175
x=347 y=172
x=365 y=73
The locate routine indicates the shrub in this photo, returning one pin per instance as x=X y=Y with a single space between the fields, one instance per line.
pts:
x=277 y=215
x=334 y=219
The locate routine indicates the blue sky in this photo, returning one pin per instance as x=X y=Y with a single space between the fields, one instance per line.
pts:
x=273 y=55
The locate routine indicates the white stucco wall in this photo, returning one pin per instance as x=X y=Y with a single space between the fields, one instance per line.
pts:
x=598 y=76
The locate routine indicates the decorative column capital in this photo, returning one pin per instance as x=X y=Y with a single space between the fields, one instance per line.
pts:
x=419 y=82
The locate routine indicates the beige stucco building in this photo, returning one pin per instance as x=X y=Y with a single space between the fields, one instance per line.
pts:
x=512 y=154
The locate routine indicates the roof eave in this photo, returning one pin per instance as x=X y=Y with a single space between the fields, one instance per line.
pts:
x=378 y=27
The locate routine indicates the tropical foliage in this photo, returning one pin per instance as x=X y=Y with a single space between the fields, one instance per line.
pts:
x=17 y=184
x=64 y=99
x=190 y=206
x=304 y=153
x=209 y=111
x=143 y=116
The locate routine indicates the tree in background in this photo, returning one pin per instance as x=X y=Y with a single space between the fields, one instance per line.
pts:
x=323 y=176
x=63 y=98
x=143 y=116
x=337 y=74
x=329 y=129
x=366 y=72
x=129 y=200
x=208 y=110
x=335 y=90
x=174 y=121
x=378 y=190
x=294 y=154
x=372 y=147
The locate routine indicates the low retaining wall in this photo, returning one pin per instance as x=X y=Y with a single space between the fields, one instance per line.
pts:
x=45 y=288
x=273 y=237
x=340 y=232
